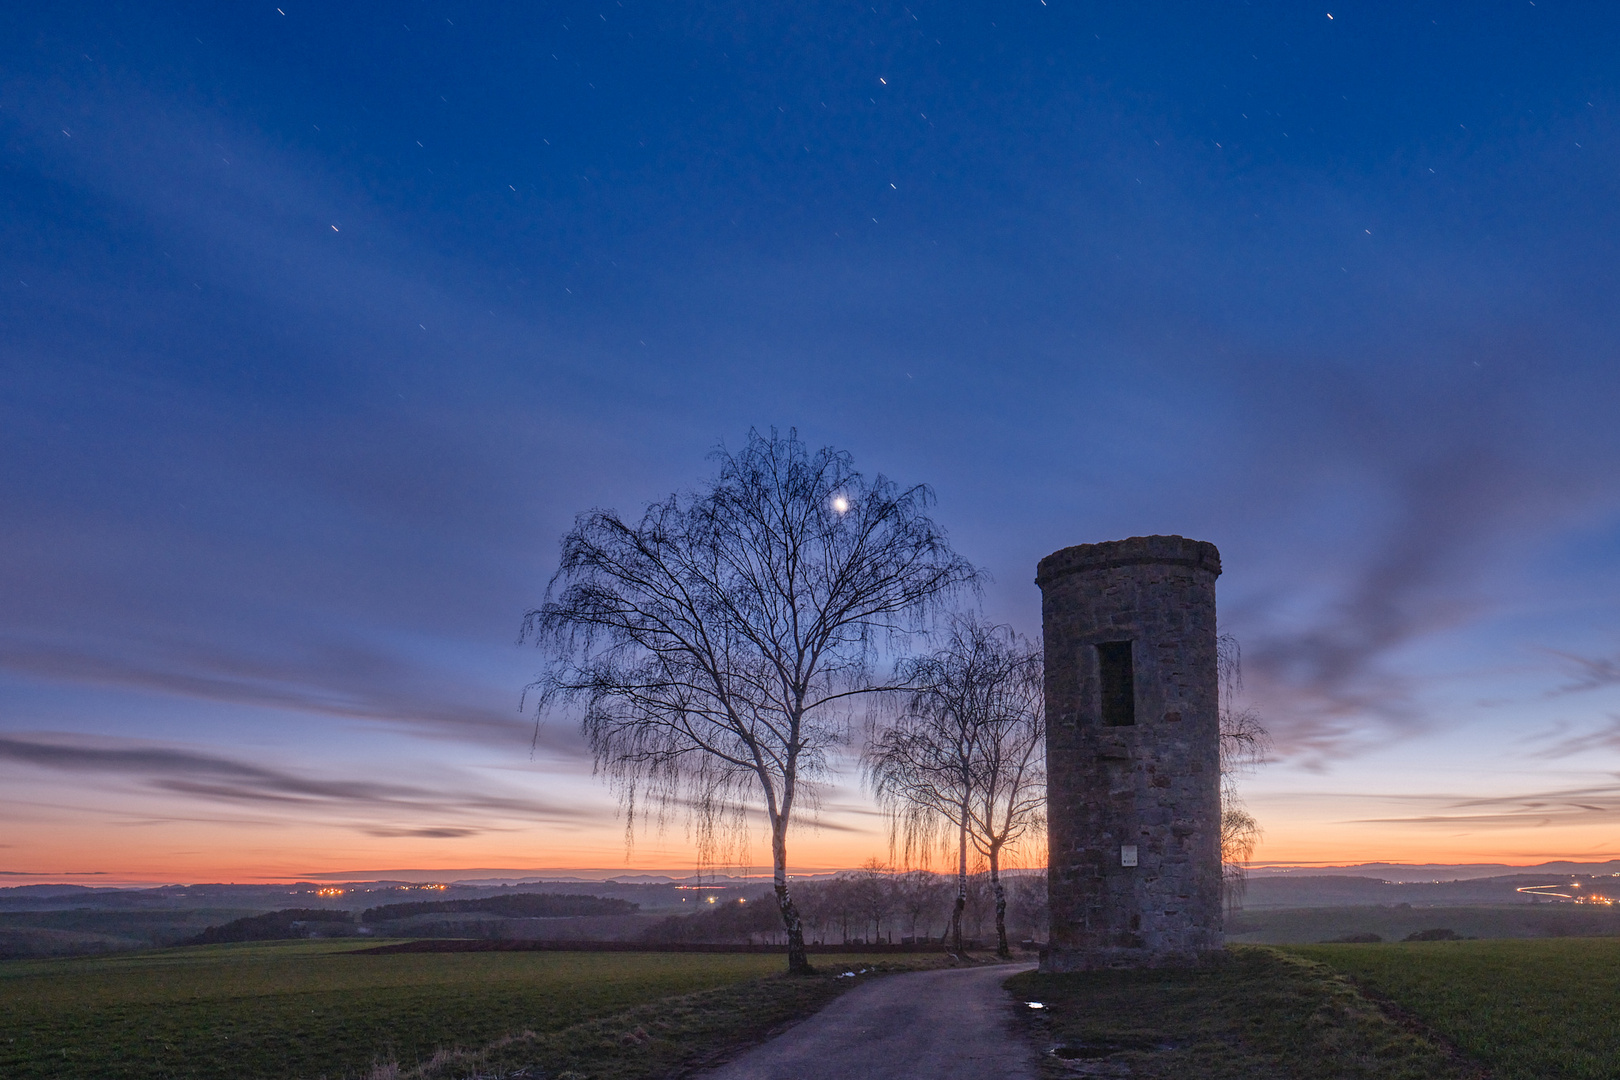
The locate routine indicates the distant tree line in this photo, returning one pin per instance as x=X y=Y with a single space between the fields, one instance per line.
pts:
x=278 y=926
x=335 y=922
x=873 y=904
x=511 y=905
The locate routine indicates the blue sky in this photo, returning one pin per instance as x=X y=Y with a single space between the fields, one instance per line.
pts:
x=319 y=326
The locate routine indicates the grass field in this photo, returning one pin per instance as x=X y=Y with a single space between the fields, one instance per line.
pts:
x=83 y=931
x=1527 y=1010
x=1524 y=1009
x=308 y=1009
x=1309 y=926
x=1258 y=1015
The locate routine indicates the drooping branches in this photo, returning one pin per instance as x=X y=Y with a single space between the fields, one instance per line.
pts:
x=1244 y=742
x=965 y=750
x=1010 y=774
x=714 y=644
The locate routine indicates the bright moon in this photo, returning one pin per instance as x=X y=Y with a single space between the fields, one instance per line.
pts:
x=840 y=504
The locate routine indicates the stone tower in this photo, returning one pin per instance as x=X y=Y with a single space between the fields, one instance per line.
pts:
x=1132 y=752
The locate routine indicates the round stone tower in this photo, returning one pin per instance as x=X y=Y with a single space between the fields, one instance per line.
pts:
x=1132 y=752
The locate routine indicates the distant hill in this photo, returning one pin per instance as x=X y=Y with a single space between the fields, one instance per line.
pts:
x=511 y=905
x=277 y=926
x=1425 y=872
x=1331 y=890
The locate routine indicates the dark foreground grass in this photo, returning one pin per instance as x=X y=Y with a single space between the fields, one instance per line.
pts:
x=1254 y=1014
x=1527 y=1010
x=661 y=1039
x=308 y=1010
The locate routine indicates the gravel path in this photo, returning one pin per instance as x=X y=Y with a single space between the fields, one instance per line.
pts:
x=952 y=1024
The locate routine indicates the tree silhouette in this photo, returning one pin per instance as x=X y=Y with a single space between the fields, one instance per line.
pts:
x=965 y=748
x=1009 y=775
x=1244 y=742
x=716 y=644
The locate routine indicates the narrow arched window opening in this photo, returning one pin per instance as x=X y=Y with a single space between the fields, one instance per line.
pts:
x=1118 y=684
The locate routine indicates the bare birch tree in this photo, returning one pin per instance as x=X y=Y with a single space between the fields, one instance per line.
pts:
x=956 y=752
x=1009 y=798
x=716 y=644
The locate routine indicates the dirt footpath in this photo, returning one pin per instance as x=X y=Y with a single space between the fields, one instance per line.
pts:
x=953 y=1024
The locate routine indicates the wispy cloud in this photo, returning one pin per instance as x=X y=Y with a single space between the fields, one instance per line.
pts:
x=1589 y=673
x=341 y=680
x=52 y=873
x=257 y=592
x=1560 y=742
x=1334 y=677
x=1435 y=483
x=217 y=778
x=1543 y=809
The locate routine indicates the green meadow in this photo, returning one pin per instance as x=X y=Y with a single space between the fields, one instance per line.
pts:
x=1255 y=1014
x=1534 y=1009
x=311 y=1009
x=1310 y=926
x=1524 y=1009
x=1521 y=1009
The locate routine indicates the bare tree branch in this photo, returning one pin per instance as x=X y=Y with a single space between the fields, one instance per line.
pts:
x=967 y=749
x=712 y=644
x=1244 y=743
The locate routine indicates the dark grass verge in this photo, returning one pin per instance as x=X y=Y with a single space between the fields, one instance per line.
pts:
x=1416 y=1025
x=1252 y=1013
x=668 y=1038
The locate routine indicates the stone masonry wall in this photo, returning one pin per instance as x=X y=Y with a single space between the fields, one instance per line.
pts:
x=1153 y=786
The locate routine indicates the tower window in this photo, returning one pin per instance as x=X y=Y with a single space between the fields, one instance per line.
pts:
x=1118 y=684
